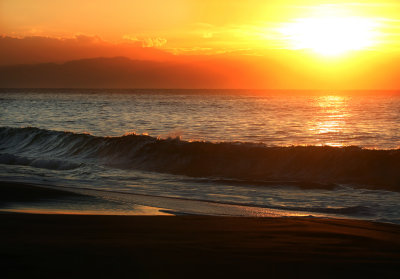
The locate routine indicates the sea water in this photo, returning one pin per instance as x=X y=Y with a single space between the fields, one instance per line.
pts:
x=316 y=152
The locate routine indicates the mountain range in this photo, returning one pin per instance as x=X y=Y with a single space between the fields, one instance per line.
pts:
x=116 y=72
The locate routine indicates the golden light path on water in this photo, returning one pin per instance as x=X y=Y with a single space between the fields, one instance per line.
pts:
x=331 y=120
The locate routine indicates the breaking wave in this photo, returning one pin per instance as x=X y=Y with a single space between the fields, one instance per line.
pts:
x=52 y=164
x=244 y=162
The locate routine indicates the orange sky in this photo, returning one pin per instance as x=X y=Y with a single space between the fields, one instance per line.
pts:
x=310 y=43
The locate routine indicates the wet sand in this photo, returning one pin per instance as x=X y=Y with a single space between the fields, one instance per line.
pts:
x=78 y=246
x=16 y=192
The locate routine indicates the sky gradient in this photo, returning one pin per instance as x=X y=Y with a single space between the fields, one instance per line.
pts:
x=307 y=43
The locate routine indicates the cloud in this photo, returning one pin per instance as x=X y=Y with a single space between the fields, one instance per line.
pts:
x=40 y=49
x=87 y=39
x=130 y=38
x=156 y=42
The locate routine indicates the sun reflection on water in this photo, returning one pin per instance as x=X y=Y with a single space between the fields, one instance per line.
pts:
x=329 y=120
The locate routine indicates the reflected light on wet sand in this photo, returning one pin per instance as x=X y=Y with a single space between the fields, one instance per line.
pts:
x=42 y=209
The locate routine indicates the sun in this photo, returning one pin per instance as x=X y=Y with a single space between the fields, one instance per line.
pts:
x=330 y=36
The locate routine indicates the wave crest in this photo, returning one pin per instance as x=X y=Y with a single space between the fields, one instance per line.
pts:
x=241 y=161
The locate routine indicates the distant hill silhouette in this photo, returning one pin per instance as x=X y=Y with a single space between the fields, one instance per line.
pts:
x=255 y=72
x=117 y=72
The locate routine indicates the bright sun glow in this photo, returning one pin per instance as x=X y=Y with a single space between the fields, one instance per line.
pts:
x=330 y=36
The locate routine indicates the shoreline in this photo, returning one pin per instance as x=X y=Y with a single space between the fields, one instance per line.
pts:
x=194 y=246
x=21 y=197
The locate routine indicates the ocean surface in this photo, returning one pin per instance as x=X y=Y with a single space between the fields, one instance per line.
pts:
x=312 y=153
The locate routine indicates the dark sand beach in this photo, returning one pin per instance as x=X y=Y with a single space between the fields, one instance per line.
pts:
x=77 y=246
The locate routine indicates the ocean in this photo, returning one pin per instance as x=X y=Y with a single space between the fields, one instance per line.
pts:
x=216 y=152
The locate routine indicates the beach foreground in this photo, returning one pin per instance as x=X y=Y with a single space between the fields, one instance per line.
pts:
x=65 y=246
